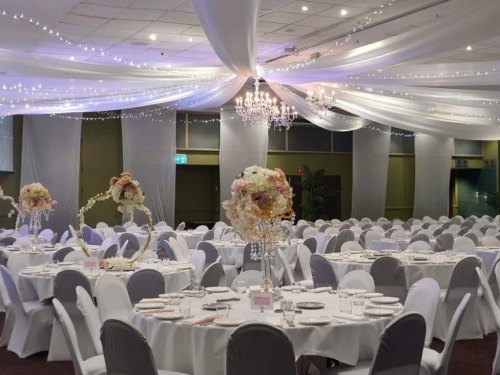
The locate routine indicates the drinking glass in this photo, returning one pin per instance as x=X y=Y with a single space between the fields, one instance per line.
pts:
x=289 y=313
x=345 y=301
x=222 y=311
x=346 y=254
x=358 y=304
x=453 y=255
x=241 y=287
x=165 y=262
x=174 y=299
x=55 y=264
x=296 y=287
x=185 y=307
x=199 y=292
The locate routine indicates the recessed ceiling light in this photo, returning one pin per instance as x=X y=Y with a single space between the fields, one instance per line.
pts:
x=343 y=12
x=469 y=48
x=190 y=39
x=72 y=58
x=152 y=37
x=169 y=66
x=305 y=8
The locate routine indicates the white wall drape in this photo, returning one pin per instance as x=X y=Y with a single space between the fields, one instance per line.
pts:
x=432 y=175
x=51 y=156
x=149 y=155
x=369 y=172
x=240 y=147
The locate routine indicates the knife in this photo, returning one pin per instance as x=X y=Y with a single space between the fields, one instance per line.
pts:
x=228 y=299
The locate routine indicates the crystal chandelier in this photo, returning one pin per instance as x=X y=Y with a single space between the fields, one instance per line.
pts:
x=257 y=108
x=284 y=117
x=319 y=102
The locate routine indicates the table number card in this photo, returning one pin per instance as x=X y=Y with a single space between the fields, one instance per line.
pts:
x=90 y=264
x=261 y=301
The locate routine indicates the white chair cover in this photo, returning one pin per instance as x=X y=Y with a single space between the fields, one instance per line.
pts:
x=9 y=317
x=211 y=253
x=351 y=246
x=147 y=254
x=145 y=283
x=46 y=233
x=209 y=235
x=181 y=226
x=464 y=245
x=212 y=275
x=319 y=223
x=320 y=243
x=250 y=278
x=198 y=261
x=95 y=238
x=91 y=317
x=122 y=248
x=303 y=222
x=16 y=263
x=131 y=247
x=111 y=251
x=434 y=363
x=102 y=225
x=33 y=321
x=86 y=233
x=304 y=255
x=109 y=233
x=358 y=279
x=492 y=232
x=272 y=356
x=343 y=236
x=288 y=278
x=423 y=297
x=202 y=228
x=399 y=234
x=61 y=253
x=310 y=231
x=420 y=237
x=75 y=256
x=419 y=245
x=331 y=231
x=107 y=243
x=330 y=245
x=112 y=298
x=311 y=244
x=23 y=230
x=372 y=235
x=491 y=241
x=179 y=254
x=160 y=224
x=389 y=277
x=427 y=232
x=323 y=274
x=377 y=228
x=129 y=224
x=324 y=227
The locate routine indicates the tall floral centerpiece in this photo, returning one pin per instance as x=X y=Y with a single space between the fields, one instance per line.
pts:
x=127 y=193
x=261 y=198
x=34 y=199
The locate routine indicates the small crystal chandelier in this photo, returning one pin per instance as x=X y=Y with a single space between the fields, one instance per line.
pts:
x=257 y=108
x=284 y=117
x=319 y=102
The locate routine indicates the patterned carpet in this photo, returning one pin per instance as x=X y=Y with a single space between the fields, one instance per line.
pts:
x=471 y=357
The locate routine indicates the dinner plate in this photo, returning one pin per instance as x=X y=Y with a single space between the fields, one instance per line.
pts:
x=373 y=295
x=149 y=305
x=213 y=306
x=355 y=291
x=378 y=312
x=229 y=322
x=167 y=295
x=310 y=305
x=385 y=300
x=365 y=261
x=217 y=289
x=31 y=271
x=419 y=262
x=182 y=266
x=387 y=251
x=14 y=249
x=66 y=263
x=168 y=316
x=315 y=321
x=356 y=251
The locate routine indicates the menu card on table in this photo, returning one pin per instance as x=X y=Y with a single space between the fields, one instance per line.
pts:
x=261 y=301
x=90 y=264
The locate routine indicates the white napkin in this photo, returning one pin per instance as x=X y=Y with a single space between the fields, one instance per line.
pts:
x=275 y=321
x=319 y=290
x=149 y=300
x=353 y=318
x=254 y=288
x=393 y=307
x=199 y=320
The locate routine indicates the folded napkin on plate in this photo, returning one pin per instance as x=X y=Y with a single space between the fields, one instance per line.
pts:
x=189 y=293
x=254 y=288
x=156 y=311
x=393 y=307
x=160 y=300
x=353 y=318
x=199 y=320
x=45 y=274
x=275 y=321
x=319 y=290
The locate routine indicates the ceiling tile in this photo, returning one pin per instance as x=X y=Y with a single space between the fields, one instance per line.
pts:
x=268 y=27
x=283 y=17
x=202 y=48
x=318 y=21
x=176 y=46
x=195 y=30
x=160 y=37
x=84 y=21
x=336 y=11
x=277 y=38
x=101 y=39
x=167 y=27
x=185 y=7
x=156 y=4
x=76 y=29
x=96 y=11
x=273 y=4
x=110 y=3
x=139 y=14
x=180 y=17
x=366 y=3
x=296 y=30
x=313 y=8
x=114 y=33
x=185 y=38
x=126 y=25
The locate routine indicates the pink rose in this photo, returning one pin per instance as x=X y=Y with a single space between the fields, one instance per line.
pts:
x=259 y=199
x=238 y=185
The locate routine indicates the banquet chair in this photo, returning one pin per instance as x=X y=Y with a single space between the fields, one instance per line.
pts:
x=212 y=275
x=93 y=365
x=7 y=241
x=304 y=256
x=463 y=280
x=419 y=245
x=398 y=352
x=323 y=274
x=303 y=222
x=493 y=306
x=129 y=224
x=220 y=224
x=423 y=297
x=165 y=236
x=184 y=246
x=473 y=237
x=420 y=237
x=61 y=253
x=248 y=262
x=16 y=263
x=132 y=245
x=406 y=227
x=351 y=246
x=438 y=232
x=426 y=225
x=95 y=238
x=446 y=225
x=211 y=253
x=318 y=223
x=166 y=252
x=366 y=226
x=219 y=232
x=415 y=231
x=33 y=321
x=399 y=234
x=345 y=226
x=46 y=233
x=75 y=256
x=311 y=244
x=311 y=223
x=320 y=243
x=179 y=255
x=119 y=229
x=483 y=230
x=147 y=254
x=86 y=233
x=324 y=227
x=208 y=236
x=389 y=276
x=491 y=232
x=111 y=251
x=491 y=241
x=23 y=230
x=330 y=244
x=464 y=245
x=362 y=237
x=434 y=363
x=90 y=314
x=65 y=283
x=371 y=236
x=343 y=236
x=201 y=228
x=444 y=242
x=181 y=226
x=386 y=226
x=112 y=298
x=467 y=224
x=478 y=233
x=102 y=225
x=427 y=232
x=250 y=278
x=9 y=317
x=228 y=236
x=299 y=232
x=109 y=233
x=126 y=350
x=145 y=283
x=389 y=232
x=331 y=231
x=310 y=232
x=272 y=356
x=198 y=261
x=288 y=278
x=160 y=224
x=463 y=231
x=358 y=279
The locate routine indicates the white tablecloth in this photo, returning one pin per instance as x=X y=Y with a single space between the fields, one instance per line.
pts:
x=191 y=238
x=42 y=287
x=202 y=350
x=387 y=244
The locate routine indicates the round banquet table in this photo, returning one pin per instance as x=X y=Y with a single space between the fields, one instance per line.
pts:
x=388 y=244
x=201 y=350
x=439 y=270
x=40 y=286
x=191 y=238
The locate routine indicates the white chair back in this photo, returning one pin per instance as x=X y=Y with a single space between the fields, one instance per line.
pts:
x=129 y=224
x=184 y=246
x=202 y=228
x=419 y=245
x=320 y=243
x=220 y=224
x=250 y=278
x=102 y=225
x=288 y=278
x=177 y=250
x=491 y=232
x=464 y=245
x=399 y=234
x=90 y=316
x=304 y=255
x=310 y=232
x=356 y=229
x=378 y=229
x=358 y=279
x=331 y=231
x=351 y=246
x=491 y=241
x=198 y=261
x=112 y=298
x=148 y=254
x=75 y=256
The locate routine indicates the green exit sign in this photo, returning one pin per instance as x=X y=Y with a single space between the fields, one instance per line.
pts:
x=181 y=159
